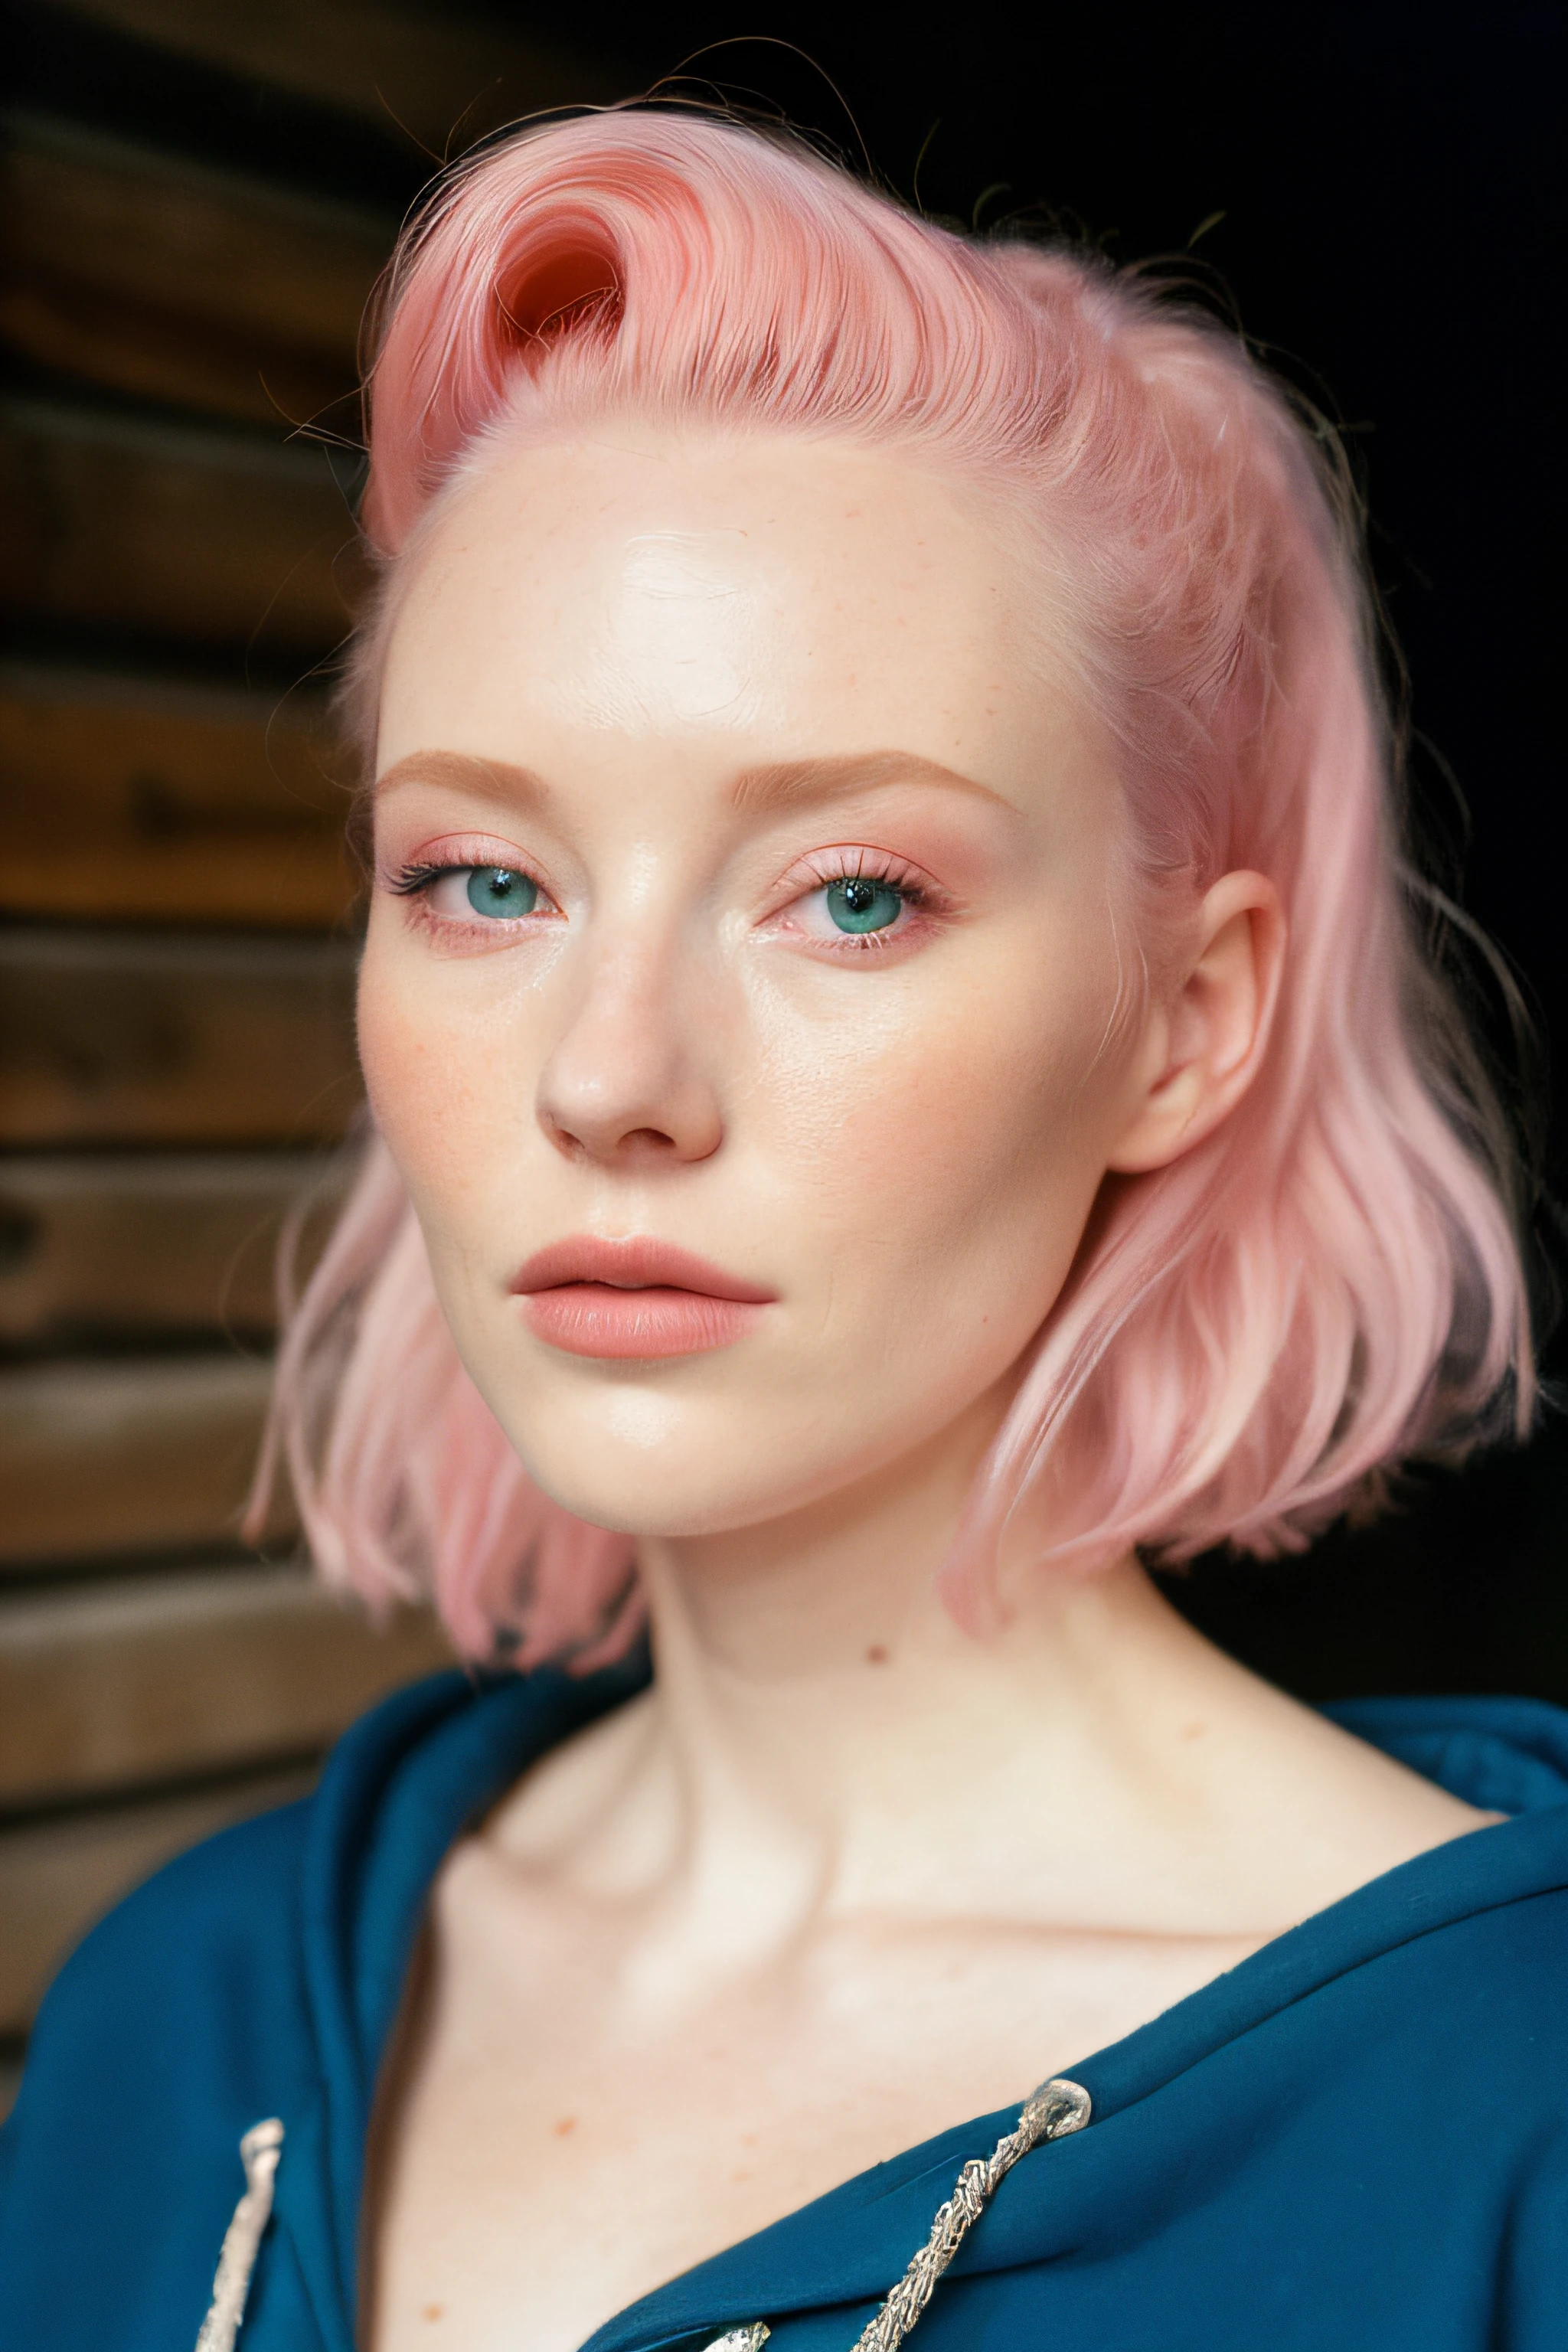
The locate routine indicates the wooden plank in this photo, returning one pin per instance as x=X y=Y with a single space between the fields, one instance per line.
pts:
x=427 y=71
x=100 y=1249
x=124 y=522
x=128 y=1037
x=57 y=1877
x=135 y=1456
x=124 y=800
x=169 y=1676
x=168 y=278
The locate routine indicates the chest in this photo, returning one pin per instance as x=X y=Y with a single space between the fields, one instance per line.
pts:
x=563 y=2131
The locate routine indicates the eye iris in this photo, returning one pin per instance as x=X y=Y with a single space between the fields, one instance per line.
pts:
x=857 y=904
x=497 y=890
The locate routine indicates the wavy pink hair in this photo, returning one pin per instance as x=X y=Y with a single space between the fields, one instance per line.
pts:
x=1330 y=1283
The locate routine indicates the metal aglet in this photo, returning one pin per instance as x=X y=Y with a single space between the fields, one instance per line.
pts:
x=1053 y=2111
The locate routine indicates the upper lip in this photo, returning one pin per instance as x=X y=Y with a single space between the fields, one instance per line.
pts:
x=637 y=1263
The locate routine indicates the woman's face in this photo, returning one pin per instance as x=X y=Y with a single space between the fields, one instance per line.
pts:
x=742 y=925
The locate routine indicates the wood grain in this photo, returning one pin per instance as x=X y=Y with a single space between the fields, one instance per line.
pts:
x=100 y=1249
x=124 y=522
x=157 y=1677
x=164 y=278
x=113 y=1456
x=57 y=1877
x=124 y=1037
x=127 y=801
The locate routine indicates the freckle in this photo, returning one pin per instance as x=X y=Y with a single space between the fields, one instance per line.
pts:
x=562 y=2124
x=433 y=2311
x=1193 y=1730
x=739 y=2175
x=748 y=2140
x=876 y=1655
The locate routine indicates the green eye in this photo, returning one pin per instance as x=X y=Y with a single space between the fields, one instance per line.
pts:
x=497 y=890
x=857 y=904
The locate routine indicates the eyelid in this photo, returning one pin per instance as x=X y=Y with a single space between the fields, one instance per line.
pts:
x=453 y=851
x=842 y=861
x=420 y=880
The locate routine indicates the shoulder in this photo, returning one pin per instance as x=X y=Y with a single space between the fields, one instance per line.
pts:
x=1500 y=1754
x=213 y=1946
x=206 y=2001
x=223 y=1915
x=203 y=1956
x=168 y=2032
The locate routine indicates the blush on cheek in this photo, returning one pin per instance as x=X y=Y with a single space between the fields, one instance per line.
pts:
x=953 y=1107
x=963 y=1159
x=422 y=1097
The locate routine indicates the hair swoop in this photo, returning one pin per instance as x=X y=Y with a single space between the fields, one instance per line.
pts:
x=1328 y=1285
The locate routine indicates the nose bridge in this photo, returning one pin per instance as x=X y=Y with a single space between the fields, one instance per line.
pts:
x=628 y=1075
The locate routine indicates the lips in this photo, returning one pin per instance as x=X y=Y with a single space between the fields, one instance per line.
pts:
x=636 y=1299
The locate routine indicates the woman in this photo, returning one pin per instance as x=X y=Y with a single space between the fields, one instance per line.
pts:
x=903 y=1086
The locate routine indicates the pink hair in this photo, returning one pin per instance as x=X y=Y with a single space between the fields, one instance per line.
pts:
x=1329 y=1284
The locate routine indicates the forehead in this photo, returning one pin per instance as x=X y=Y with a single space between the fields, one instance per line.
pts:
x=809 y=597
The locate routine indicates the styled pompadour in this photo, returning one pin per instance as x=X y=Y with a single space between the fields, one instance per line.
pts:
x=1328 y=1284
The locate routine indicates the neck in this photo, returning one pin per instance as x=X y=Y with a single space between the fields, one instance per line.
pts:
x=823 y=1737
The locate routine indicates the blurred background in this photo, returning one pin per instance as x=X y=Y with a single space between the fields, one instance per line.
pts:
x=197 y=196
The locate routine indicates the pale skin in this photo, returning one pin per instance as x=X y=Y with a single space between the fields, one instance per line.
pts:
x=847 y=1875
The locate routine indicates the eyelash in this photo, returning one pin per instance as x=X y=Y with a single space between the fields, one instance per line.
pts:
x=818 y=872
x=411 y=879
x=416 y=880
x=919 y=895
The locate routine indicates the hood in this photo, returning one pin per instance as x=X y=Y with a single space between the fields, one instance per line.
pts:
x=1227 y=2067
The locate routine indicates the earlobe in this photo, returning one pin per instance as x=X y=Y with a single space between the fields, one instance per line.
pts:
x=1211 y=1028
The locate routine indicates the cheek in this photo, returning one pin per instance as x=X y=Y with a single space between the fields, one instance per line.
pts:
x=432 y=1105
x=957 y=1144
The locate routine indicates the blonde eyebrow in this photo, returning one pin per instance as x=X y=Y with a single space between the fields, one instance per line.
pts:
x=497 y=779
x=789 y=783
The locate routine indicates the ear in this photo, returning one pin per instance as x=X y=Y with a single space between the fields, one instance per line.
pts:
x=1206 y=1035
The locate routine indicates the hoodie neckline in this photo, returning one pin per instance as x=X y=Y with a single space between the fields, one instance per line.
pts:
x=409 y=1779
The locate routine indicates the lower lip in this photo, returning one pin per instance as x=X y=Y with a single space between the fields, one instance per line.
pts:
x=594 y=1319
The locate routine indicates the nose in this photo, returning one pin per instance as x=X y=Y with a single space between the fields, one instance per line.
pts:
x=626 y=1083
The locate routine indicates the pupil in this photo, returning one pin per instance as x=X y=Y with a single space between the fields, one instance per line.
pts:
x=497 y=890
x=859 y=904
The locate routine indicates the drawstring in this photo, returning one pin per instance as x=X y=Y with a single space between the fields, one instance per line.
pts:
x=1057 y=2109
x=258 y=2152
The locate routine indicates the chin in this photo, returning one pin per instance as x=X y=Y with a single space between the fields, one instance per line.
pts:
x=645 y=1462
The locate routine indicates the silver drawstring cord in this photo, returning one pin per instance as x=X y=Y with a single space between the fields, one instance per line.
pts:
x=258 y=2152
x=1053 y=2111
x=1057 y=2109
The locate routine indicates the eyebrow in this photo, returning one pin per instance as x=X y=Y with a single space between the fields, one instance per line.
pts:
x=791 y=783
x=497 y=780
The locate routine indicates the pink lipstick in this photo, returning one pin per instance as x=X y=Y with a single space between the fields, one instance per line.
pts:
x=634 y=1298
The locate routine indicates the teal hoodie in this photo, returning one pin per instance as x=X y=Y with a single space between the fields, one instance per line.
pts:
x=1357 y=2140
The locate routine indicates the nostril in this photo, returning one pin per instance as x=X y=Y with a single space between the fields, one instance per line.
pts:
x=633 y=1143
x=570 y=1146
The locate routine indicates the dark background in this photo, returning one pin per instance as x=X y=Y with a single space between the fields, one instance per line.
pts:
x=1391 y=217
x=1391 y=188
